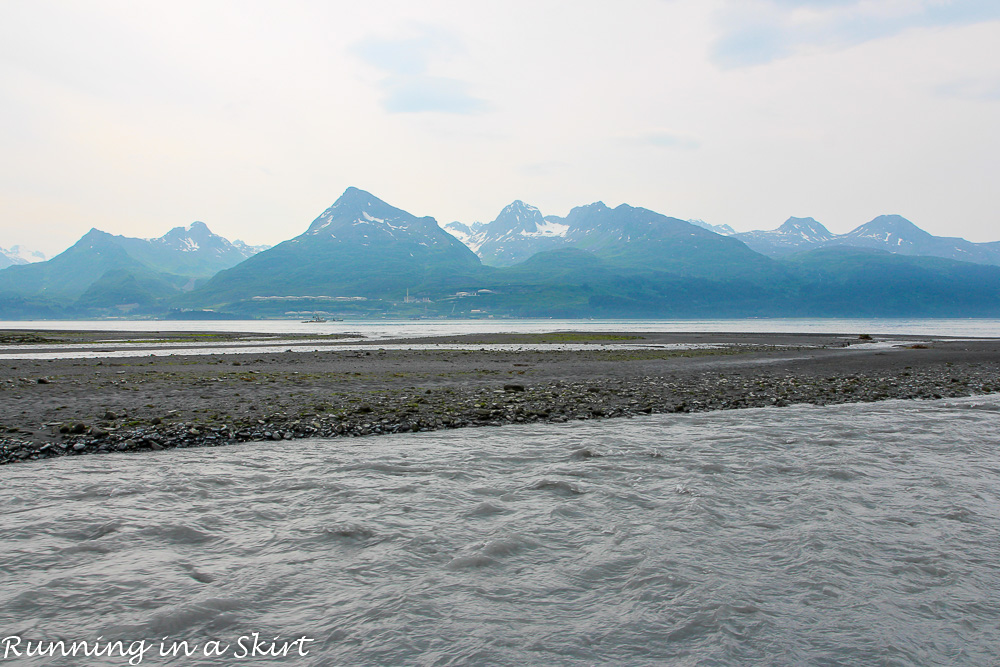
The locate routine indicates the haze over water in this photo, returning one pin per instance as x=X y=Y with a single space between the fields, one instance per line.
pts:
x=852 y=534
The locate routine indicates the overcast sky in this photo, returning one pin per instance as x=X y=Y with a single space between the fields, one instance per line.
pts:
x=253 y=116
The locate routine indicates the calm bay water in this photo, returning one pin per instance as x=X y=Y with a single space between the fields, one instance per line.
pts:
x=408 y=328
x=853 y=534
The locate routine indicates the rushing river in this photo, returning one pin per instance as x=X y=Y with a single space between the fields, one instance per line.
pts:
x=855 y=534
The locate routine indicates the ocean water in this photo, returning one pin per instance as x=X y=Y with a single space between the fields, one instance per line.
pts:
x=844 y=535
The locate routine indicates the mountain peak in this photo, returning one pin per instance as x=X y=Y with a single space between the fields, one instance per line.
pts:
x=518 y=205
x=807 y=228
x=517 y=217
x=94 y=234
x=893 y=221
x=356 y=198
x=196 y=229
x=356 y=207
x=885 y=226
x=193 y=237
x=587 y=209
x=359 y=220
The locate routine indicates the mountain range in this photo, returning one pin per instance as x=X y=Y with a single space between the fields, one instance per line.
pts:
x=520 y=231
x=891 y=233
x=364 y=257
x=625 y=236
x=102 y=270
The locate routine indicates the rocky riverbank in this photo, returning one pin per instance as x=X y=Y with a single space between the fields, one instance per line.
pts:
x=71 y=407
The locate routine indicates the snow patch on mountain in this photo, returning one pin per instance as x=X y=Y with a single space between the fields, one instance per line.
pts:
x=464 y=232
x=547 y=228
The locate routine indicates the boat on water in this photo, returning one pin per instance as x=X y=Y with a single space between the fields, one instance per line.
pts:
x=316 y=319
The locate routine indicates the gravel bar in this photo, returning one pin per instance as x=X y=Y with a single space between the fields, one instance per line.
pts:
x=70 y=407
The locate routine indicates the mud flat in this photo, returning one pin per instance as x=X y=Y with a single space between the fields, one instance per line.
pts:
x=194 y=398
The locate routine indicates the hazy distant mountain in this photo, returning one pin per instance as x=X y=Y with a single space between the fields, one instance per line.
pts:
x=172 y=262
x=891 y=233
x=128 y=287
x=68 y=275
x=360 y=246
x=725 y=230
x=191 y=251
x=898 y=235
x=247 y=249
x=794 y=235
x=19 y=255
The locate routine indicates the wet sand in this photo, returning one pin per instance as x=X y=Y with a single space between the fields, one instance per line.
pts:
x=83 y=406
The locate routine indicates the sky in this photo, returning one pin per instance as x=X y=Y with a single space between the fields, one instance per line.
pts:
x=136 y=116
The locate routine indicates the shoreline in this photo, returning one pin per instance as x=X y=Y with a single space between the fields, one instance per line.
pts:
x=66 y=407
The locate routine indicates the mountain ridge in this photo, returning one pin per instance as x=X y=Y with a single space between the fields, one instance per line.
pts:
x=891 y=232
x=362 y=257
x=178 y=258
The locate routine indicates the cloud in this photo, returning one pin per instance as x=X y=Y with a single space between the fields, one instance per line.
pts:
x=760 y=31
x=414 y=94
x=661 y=139
x=409 y=55
x=547 y=168
x=408 y=86
x=981 y=90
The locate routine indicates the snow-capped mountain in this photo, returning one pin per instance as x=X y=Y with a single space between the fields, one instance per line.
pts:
x=19 y=255
x=517 y=233
x=794 y=235
x=724 y=230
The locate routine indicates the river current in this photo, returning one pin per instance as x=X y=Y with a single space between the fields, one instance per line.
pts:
x=843 y=535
